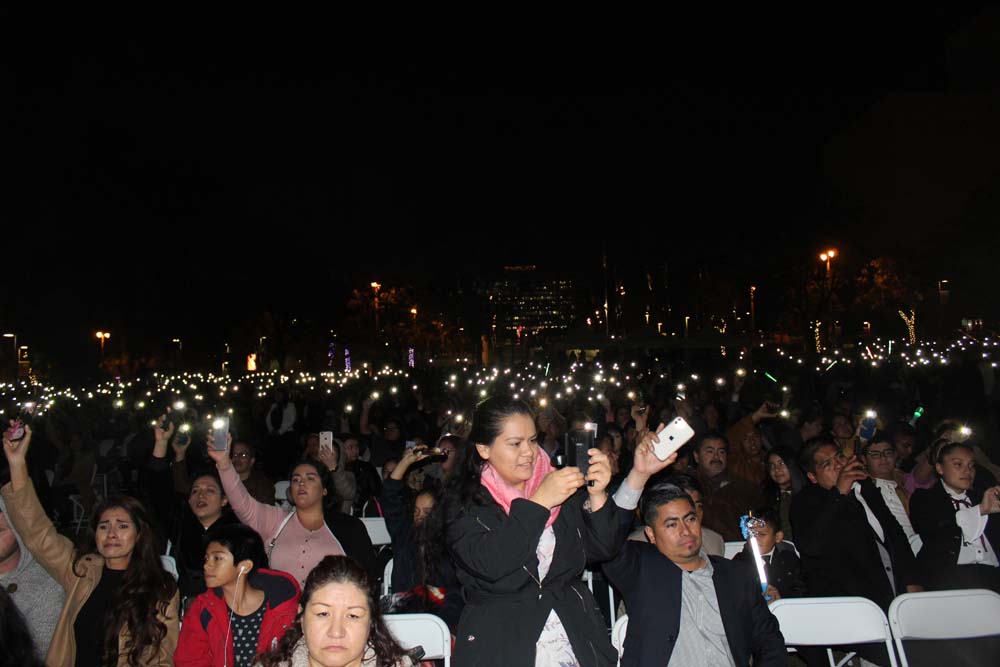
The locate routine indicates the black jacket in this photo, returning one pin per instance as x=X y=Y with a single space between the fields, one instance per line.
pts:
x=399 y=522
x=783 y=570
x=506 y=607
x=933 y=515
x=180 y=526
x=651 y=586
x=353 y=536
x=838 y=545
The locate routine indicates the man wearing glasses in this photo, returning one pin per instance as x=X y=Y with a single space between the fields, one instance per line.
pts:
x=849 y=541
x=257 y=484
x=879 y=456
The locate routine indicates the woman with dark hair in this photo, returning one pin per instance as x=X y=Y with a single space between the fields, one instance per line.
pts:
x=960 y=542
x=185 y=523
x=15 y=639
x=121 y=605
x=246 y=609
x=423 y=578
x=784 y=479
x=521 y=534
x=299 y=539
x=333 y=458
x=338 y=624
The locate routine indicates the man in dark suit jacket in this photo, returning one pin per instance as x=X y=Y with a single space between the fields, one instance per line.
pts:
x=850 y=542
x=669 y=586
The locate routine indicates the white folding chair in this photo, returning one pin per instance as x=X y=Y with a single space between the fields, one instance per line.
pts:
x=281 y=494
x=387 y=578
x=833 y=621
x=377 y=530
x=588 y=576
x=733 y=548
x=618 y=633
x=957 y=614
x=424 y=630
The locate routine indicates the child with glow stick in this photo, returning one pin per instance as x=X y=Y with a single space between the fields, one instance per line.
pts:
x=775 y=562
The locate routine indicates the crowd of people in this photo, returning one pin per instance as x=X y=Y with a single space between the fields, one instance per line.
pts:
x=491 y=523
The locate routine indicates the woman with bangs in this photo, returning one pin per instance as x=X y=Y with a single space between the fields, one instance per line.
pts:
x=121 y=606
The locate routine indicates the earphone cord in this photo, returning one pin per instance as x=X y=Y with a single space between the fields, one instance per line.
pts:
x=225 y=644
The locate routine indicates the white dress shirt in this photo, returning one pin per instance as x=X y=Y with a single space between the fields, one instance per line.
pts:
x=976 y=549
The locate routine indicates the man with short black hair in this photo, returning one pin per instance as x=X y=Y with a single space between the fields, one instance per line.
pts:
x=711 y=541
x=684 y=607
x=849 y=541
x=726 y=498
x=879 y=456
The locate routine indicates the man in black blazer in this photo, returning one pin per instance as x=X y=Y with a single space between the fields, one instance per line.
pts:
x=850 y=543
x=684 y=607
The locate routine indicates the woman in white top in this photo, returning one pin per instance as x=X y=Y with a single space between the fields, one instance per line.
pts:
x=953 y=518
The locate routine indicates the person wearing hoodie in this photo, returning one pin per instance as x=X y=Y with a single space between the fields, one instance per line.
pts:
x=246 y=609
x=36 y=595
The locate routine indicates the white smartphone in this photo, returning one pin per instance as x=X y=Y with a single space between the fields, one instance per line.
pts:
x=672 y=437
x=326 y=440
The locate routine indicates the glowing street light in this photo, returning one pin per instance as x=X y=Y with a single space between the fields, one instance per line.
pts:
x=375 y=288
x=103 y=336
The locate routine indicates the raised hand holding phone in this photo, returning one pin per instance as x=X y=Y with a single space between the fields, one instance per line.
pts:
x=646 y=463
x=15 y=449
x=220 y=456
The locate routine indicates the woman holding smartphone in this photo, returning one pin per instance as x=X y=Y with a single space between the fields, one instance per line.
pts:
x=185 y=524
x=121 y=605
x=296 y=541
x=521 y=534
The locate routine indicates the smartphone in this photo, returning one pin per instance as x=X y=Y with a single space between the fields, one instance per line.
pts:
x=220 y=431
x=578 y=443
x=183 y=437
x=673 y=436
x=868 y=425
x=410 y=444
x=15 y=429
x=326 y=440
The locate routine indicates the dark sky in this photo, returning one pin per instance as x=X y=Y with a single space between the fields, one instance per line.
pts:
x=172 y=177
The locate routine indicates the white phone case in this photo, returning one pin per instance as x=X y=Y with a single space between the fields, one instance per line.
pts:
x=672 y=438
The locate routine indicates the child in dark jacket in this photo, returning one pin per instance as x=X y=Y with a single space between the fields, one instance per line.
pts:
x=781 y=562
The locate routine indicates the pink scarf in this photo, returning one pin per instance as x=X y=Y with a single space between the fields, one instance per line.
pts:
x=504 y=493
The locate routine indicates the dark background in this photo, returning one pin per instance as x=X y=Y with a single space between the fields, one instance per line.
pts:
x=177 y=175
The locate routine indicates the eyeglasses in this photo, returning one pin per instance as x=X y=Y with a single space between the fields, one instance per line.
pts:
x=242 y=455
x=881 y=453
x=447 y=452
x=826 y=463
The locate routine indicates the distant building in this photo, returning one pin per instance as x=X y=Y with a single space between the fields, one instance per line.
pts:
x=530 y=301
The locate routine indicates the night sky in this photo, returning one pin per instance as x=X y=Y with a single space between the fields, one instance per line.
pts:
x=169 y=180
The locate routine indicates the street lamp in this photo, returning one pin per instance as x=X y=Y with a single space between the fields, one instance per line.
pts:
x=828 y=257
x=180 y=345
x=375 y=288
x=103 y=336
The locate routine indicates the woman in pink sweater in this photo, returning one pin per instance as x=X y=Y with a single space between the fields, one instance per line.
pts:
x=296 y=541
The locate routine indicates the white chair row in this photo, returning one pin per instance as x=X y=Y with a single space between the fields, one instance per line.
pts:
x=839 y=621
